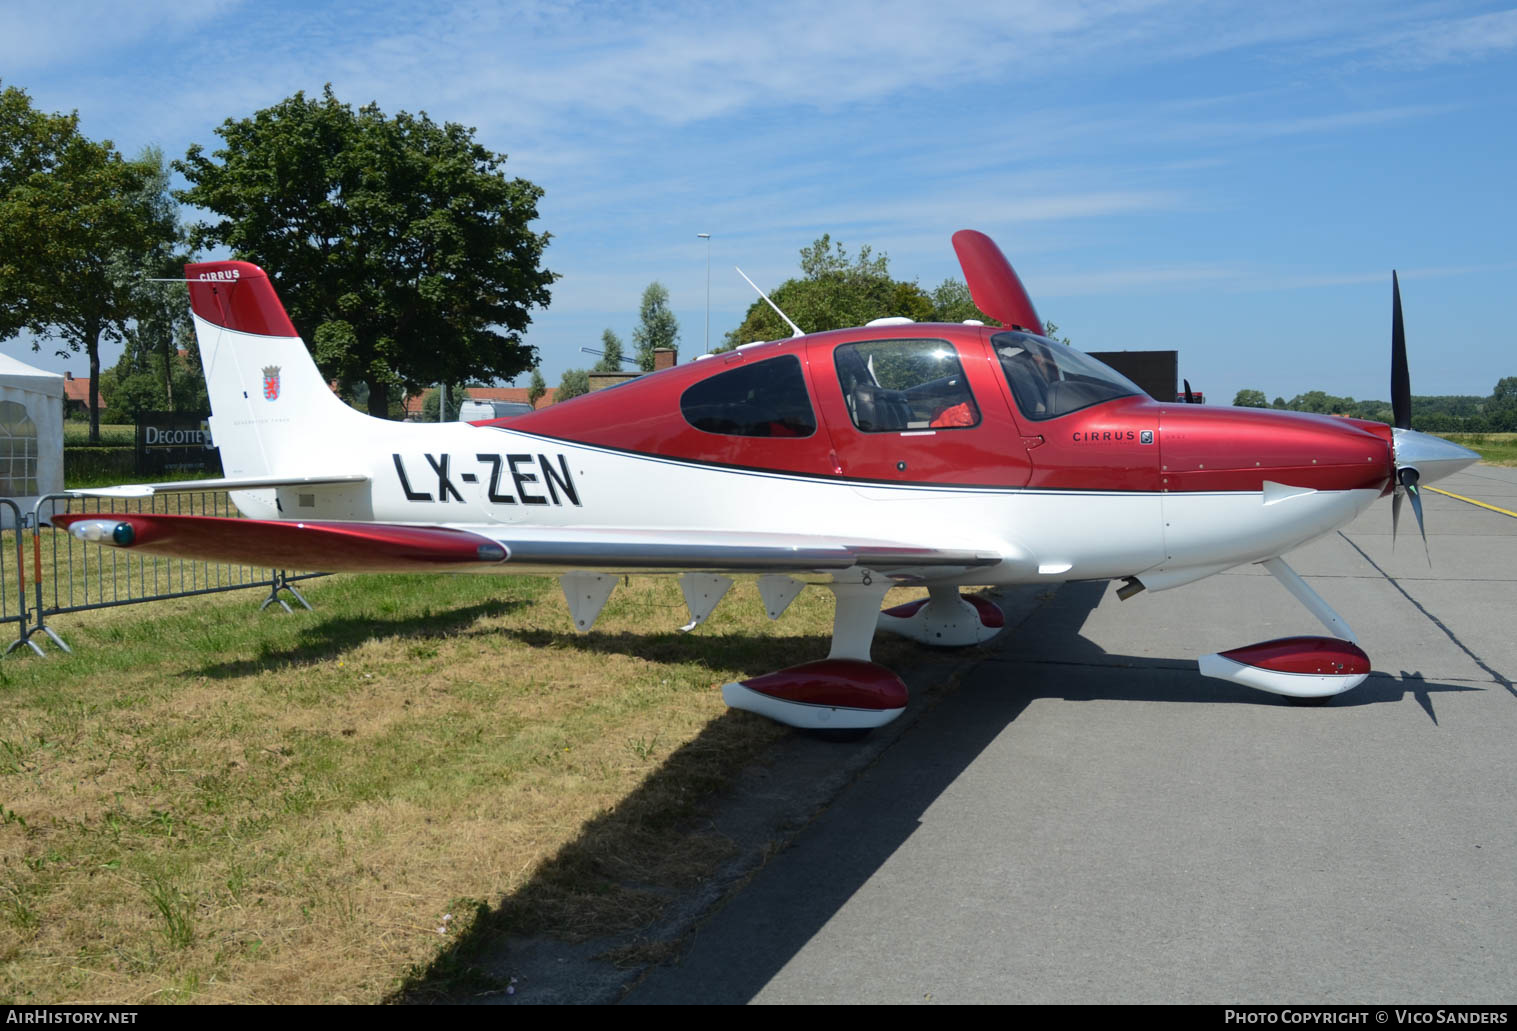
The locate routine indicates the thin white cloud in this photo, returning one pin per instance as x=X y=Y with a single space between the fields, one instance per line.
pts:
x=42 y=35
x=1442 y=40
x=1129 y=280
x=1339 y=121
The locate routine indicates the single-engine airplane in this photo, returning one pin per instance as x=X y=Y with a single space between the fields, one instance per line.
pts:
x=940 y=455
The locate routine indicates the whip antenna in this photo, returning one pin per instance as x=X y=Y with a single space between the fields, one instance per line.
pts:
x=771 y=304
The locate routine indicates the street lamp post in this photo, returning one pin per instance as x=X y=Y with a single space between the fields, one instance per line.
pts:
x=707 y=238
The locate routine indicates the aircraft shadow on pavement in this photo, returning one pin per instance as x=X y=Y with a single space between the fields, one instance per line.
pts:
x=1062 y=663
x=1045 y=657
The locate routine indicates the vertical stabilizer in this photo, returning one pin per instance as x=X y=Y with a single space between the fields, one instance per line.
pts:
x=270 y=407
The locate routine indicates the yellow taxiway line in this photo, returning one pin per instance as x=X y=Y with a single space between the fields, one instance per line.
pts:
x=1461 y=497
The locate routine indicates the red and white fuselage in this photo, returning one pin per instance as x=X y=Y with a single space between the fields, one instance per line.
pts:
x=937 y=454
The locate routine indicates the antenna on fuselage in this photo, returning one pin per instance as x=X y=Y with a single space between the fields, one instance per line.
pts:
x=771 y=304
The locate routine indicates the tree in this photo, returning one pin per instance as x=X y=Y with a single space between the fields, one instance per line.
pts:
x=1250 y=399
x=78 y=223
x=574 y=383
x=611 y=353
x=31 y=143
x=656 y=327
x=151 y=374
x=951 y=302
x=457 y=395
x=134 y=386
x=538 y=387
x=401 y=249
x=835 y=291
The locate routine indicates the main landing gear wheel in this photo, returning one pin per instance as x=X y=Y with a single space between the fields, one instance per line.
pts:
x=945 y=619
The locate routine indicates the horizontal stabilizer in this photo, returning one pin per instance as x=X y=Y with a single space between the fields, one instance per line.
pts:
x=331 y=547
x=147 y=490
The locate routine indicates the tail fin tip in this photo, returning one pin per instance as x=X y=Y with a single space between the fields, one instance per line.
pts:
x=237 y=295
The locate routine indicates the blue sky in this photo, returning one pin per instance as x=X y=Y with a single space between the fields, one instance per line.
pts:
x=1234 y=181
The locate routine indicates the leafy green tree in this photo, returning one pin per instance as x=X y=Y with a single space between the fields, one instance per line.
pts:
x=159 y=369
x=1250 y=399
x=537 y=388
x=31 y=145
x=430 y=402
x=137 y=384
x=611 y=353
x=835 y=291
x=951 y=302
x=401 y=248
x=656 y=326
x=357 y=395
x=574 y=383
x=78 y=223
x=1321 y=402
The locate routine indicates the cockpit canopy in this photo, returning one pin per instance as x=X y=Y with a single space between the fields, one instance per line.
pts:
x=1050 y=379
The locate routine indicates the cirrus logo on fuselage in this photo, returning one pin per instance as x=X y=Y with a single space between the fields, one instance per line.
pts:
x=1112 y=436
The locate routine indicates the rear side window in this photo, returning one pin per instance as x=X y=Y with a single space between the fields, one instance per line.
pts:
x=896 y=385
x=765 y=399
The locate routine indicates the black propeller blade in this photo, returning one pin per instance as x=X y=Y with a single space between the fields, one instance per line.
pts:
x=1407 y=480
x=1407 y=477
x=1401 y=381
x=1189 y=397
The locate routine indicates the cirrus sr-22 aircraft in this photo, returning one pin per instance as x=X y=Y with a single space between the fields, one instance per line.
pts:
x=938 y=455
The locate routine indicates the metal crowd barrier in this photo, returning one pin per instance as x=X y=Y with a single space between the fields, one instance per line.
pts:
x=12 y=567
x=69 y=576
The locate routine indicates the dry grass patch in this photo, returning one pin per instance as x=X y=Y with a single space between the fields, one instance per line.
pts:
x=209 y=804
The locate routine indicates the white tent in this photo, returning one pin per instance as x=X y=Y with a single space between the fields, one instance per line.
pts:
x=31 y=434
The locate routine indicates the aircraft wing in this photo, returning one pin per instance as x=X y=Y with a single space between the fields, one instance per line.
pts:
x=393 y=547
x=147 y=490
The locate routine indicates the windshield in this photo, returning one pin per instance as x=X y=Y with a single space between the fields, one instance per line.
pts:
x=1050 y=379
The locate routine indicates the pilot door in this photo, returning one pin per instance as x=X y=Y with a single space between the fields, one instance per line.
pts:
x=917 y=410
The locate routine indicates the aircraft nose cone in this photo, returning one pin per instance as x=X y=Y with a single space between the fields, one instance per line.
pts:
x=1432 y=457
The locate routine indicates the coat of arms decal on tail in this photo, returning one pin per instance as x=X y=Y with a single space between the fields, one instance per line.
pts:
x=271 y=382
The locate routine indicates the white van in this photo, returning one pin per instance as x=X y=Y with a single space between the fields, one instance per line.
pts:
x=477 y=411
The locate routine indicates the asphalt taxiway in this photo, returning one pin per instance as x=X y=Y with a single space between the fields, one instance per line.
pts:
x=1086 y=819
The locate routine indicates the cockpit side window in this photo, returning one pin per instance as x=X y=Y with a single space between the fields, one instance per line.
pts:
x=764 y=399
x=1049 y=379
x=897 y=385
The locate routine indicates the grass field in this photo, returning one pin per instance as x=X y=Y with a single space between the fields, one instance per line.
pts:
x=206 y=803
x=1494 y=448
x=77 y=434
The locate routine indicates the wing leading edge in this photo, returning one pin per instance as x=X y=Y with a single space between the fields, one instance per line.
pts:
x=388 y=547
